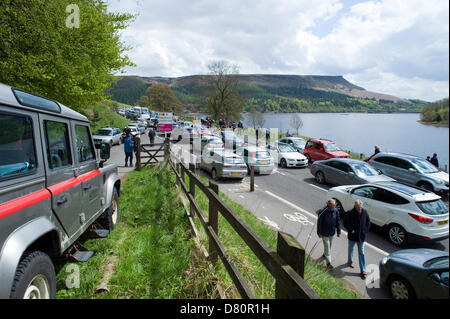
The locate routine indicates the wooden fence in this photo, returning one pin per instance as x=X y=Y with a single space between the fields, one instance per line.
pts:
x=286 y=264
x=149 y=154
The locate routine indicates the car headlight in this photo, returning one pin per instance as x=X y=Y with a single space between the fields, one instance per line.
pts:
x=440 y=181
x=384 y=260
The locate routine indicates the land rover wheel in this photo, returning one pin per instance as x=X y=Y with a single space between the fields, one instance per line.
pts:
x=111 y=216
x=35 y=278
x=214 y=174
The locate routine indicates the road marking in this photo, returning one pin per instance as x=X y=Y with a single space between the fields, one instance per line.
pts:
x=241 y=196
x=380 y=251
x=280 y=173
x=322 y=189
x=269 y=222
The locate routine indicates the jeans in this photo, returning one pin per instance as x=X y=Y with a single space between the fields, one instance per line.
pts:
x=361 y=257
x=327 y=242
x=128 y=156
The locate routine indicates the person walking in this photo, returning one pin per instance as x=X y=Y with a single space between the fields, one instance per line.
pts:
x=434 y=160
x=267 y=136
x=151 y=135
x=328 y=224
x=357 y=224
x=128 y=148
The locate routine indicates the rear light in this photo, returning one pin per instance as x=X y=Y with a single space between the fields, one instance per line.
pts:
x=421 y=219
x=243 y=166
x=227 y=166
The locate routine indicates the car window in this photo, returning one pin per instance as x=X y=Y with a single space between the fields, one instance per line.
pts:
x=367 y=191
x=309 y=144
x=434 y=207
x=17 y=152
x=85 y=151
x=402 y=163
x=385 y=160
x=341 y=166
x=57 y=143
x=331 y=147
x=424 y=166
x=388 y=197
x=318 y=146
x=364 y=170
x=444 y=278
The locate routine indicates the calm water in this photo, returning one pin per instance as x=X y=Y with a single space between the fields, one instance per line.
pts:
x=359 y=132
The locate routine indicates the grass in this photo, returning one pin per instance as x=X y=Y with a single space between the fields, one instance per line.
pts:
x=106 y=116
x=260 y=280
x=154 y=252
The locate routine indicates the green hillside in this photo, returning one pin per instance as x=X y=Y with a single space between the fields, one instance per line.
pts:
x=274 y=93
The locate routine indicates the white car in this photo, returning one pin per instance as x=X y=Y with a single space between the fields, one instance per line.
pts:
x=287 y=156
x=406 y=212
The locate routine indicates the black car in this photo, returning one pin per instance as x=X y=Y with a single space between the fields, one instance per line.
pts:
x=416 y=273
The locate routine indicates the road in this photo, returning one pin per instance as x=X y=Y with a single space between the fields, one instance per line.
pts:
x=287 y=201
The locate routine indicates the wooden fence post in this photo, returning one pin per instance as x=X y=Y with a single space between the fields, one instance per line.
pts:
x=138 y=153
x=213 y=221
x=192 y=186
x=293 y=254
x=252 y=178
x=166 y=149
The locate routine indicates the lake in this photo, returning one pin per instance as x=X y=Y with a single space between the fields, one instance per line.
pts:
x=359 y=132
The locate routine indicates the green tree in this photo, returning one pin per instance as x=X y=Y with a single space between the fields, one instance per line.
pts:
x=162 y=98
x=74 y=65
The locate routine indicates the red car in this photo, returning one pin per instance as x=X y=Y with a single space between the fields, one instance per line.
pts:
x=320 y=149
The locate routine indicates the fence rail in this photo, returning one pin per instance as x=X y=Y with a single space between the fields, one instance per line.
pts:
x=286 y=264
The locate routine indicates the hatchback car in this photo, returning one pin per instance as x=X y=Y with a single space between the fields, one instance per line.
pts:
x=287 y=156
x=412 y=170
x=407 y=213
x=258 y=157
x=416 y=273
x=296 y=142
x=346 y=171
x=321 y=149
x=207 y=142
x=111 y=136
x=231 y=140
x=223 y=164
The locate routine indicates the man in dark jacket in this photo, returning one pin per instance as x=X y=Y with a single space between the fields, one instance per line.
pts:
x=328 y=224
x=151 y=135
x=434 y=160
x=357 y=223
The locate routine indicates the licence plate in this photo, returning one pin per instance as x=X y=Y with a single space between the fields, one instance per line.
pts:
x=442 y=222
x=263 y=162
x=236 y=173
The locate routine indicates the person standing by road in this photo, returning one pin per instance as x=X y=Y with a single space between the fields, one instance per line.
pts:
x=357 y=223
x=151 y=135
x=434 y=160
x=328 y=224
x=377 y=150
x=128 y=148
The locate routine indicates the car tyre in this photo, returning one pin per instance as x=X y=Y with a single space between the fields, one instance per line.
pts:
x=309 y=158
x=320 y=177
x=397 y=235
x=35 y=277
x=111 y=216
x=400 y=288
x=214 y=174
x=283 y=163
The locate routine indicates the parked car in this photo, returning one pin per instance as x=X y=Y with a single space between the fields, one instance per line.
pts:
x=412 y=170
x=109 y=135
x=296 y=142
x=53 y=189
x=287 y=156
x=207 y=142
x=258 y=157
x=321 y=149
x=230 y=139
x=346 y=171
x=416 y=273
x=223 y=164
x=407 y=213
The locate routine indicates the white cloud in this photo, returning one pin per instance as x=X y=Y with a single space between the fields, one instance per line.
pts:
x=399 y=47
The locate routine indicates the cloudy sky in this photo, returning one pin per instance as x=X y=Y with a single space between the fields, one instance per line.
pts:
x=398 y=47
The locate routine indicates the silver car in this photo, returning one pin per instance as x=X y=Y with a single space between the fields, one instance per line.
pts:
x=296 y=142
x=223 y=164
x=346 y=171
x=412 y=170
x=259 y=157
x=207 y=142
x=111 y=136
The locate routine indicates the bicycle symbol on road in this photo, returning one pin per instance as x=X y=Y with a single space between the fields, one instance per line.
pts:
x=299 y=218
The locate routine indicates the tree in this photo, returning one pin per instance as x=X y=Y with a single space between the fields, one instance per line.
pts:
x=73 y=64
x=144 y=101
x=296 y=122
x=162 y=98
x=256 y=118
x=223 y=101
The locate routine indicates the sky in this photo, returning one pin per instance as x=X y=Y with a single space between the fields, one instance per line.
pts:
x=397 y=47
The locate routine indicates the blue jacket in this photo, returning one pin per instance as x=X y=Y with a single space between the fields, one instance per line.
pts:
x=328 y=222
x=128 y=144
x=357 y=224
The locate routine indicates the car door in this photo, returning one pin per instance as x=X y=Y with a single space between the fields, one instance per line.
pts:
x=87 y=169
x=345 y=174
x=365 y=194
x=436 y=290
x=331 y=172
x=401 y=169
x=319 y=152
x=60 y=172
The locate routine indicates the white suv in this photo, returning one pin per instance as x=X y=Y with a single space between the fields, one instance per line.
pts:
x=406 y=212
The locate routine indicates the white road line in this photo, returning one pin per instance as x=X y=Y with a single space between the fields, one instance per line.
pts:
x=380 y=251
x=241 y=196
x=322 y=189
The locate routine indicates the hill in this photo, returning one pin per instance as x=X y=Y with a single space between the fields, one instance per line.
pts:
x=274 y=93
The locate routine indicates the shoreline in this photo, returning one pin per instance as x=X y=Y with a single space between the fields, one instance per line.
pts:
x=433 y=124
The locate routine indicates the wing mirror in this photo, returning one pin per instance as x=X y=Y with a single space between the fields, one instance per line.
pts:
x=436 y=278
x=105 y=153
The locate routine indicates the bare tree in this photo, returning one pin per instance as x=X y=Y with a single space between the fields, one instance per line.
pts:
x=296 y=122
x=257 y=118
x=224 y=101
